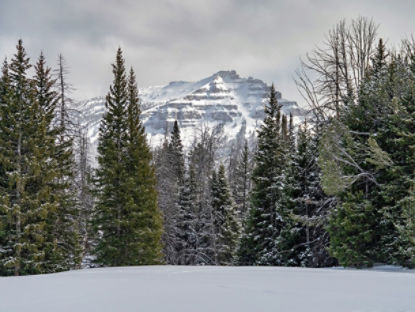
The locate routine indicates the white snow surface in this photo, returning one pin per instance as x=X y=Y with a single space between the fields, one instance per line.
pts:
x=199 y=289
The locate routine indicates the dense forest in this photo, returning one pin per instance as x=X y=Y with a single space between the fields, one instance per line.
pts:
x=337 y=189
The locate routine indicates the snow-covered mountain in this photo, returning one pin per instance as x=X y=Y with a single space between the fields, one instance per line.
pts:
x=224 y=99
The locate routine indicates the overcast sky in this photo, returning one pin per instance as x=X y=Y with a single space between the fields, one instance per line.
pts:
x=186 y=39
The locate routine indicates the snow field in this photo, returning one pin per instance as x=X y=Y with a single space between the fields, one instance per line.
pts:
x=199 y=289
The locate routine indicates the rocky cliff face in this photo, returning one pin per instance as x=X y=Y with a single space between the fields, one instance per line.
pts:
x=223 y=99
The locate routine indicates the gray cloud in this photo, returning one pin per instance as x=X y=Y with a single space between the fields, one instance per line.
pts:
x=168 y=40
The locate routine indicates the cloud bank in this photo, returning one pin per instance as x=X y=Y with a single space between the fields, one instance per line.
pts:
x=167 y=40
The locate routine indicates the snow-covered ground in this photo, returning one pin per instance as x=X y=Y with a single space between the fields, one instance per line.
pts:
x=198 y=289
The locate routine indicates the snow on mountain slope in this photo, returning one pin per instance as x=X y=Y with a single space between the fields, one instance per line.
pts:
x=206 y=289
x=222 y=99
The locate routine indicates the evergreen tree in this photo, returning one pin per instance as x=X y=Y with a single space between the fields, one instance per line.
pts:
x=185 y=222
x=312 y=206
x=176 y=153
x=225 y=223
x=242 y=182
x=233 y=164
x=380 y=136
x=127 y=216
x=110 y=173
x=351 y=231
x=38 y=230
x=394 y=141
x=143 y=215
x=64 y=99
x=264 y=223
x=290 y=241
x=405 y=224
x=7 y=230
x=55 y=189
x=23 y=218
x=406 y=230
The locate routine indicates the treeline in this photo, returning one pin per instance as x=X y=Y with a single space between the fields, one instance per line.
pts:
x=362 y=94
x=337 y=188
x=266 y=208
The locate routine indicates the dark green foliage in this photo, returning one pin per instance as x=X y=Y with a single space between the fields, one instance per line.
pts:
x=127 y=216
x=311 y=205
x=378 y=144
x=24 y=218
x=353 y=231
x=38 y=232
x=242 y=182
x=176 y=153
x=110 y=174
x=62 y=239
x=186 y=222
x=264 y=221
x=225 y=222
x=406 y=229
x=290 y=241
x=144 y=222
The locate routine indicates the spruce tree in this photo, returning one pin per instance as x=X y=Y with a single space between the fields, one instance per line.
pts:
x=127 y=217
x=311 y=205
x=380 y=135
x=406 y=223
x=264 y=224
x=185 y=221
x=351 y=231
x=176 y=153
x=406 y=229
x=225 y=220
x=290 y=242
x=143 y=235
x=395 y=140
x=38 y=230
x=24 y=220
x=242 y=182
x=6 y=225
x=110 y=173
x=54 y=158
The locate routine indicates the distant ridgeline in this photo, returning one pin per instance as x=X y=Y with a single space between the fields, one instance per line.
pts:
x=223 y=99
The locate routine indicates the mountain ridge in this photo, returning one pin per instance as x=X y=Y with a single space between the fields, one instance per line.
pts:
x=222 y=99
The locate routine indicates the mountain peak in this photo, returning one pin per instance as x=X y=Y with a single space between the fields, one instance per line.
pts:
x=222 y=99
x=227 y=74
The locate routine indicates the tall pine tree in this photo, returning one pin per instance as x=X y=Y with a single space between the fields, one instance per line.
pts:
x=186 y=221
x=225 y=219
x=264 y=223
x=127 y=217
x=54 y=157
